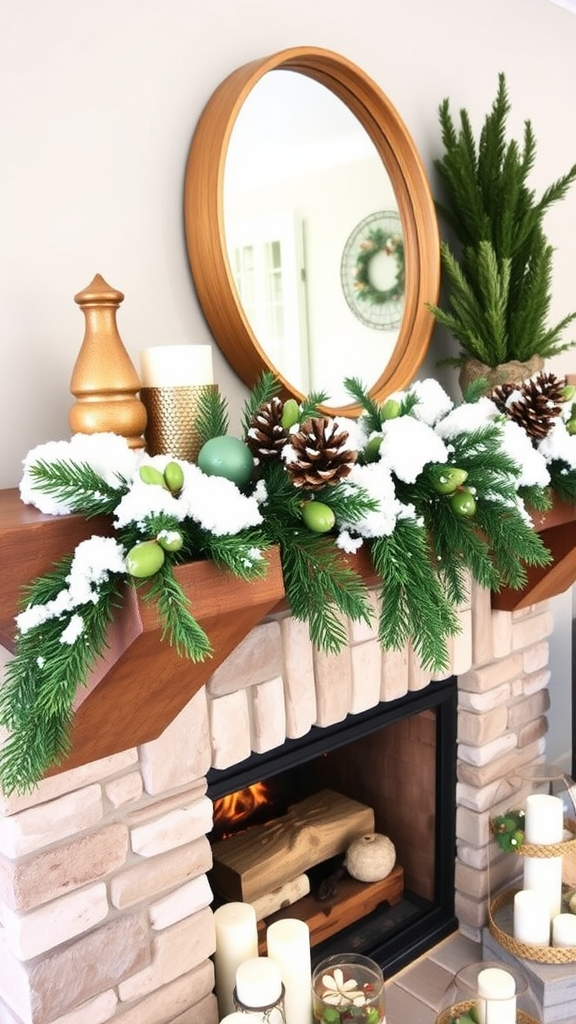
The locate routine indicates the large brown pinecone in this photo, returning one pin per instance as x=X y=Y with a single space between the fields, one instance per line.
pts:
x=534 y=404
x=266 y=436
x=322 y=457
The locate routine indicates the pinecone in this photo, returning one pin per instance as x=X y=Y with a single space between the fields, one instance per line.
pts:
x=320 y=456
x=266 y=436
x=534 y=404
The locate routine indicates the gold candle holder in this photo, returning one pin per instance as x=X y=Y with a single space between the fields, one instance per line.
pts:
x=172 y=418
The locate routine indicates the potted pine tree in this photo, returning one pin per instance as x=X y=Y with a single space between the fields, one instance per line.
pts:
x=498 y=278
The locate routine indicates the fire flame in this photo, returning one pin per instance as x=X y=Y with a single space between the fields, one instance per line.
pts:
x=235 y=810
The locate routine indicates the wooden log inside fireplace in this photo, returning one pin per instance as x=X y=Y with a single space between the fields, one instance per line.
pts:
x=258 y=860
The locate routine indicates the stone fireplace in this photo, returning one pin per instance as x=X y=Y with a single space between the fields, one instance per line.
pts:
x=105 y=903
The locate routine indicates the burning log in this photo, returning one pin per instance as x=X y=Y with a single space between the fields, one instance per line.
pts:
x=259 y=860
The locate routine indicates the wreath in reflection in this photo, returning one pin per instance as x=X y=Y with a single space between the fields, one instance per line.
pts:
x=392 y=245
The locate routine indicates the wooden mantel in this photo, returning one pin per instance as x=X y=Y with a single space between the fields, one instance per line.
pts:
x=143 y=683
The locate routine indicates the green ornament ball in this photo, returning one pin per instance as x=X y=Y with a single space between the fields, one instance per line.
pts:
x=290 y=413
x=318 y=517
x=228 y=457
x=463 y=503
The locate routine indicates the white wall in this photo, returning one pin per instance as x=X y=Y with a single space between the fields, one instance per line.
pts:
x=98 y=102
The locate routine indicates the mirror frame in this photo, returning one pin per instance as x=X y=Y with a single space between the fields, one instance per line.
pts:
x=205 y=226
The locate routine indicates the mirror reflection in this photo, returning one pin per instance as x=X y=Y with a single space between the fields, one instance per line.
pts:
x=313 y=235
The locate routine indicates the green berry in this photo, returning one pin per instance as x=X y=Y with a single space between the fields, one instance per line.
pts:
x=447 y=479
x=317 y=516
x=571 y=425
x=568 y=392
x=174 y=477
x=390 y=410
x=371 y=451
x=463 y=503
x=170 y=540
x=330 y=1016
x=290 y=413
x=151 y=475
x=144 y=559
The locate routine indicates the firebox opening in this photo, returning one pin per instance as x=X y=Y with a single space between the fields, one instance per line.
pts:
x=398 y=759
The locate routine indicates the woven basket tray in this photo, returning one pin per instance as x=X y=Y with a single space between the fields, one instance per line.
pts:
x=546 y=849
x=449 y=1015
x=525 y=950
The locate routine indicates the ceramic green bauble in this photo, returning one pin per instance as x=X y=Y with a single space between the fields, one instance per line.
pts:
x=228 y=457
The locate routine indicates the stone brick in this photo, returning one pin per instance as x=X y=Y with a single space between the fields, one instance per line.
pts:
x=333 y=674
x=176 y=1000
x=394 y=681
x=298 y=673
x=473 y=856
x=366 y=671
x=418 y=676
x=471 y=826
x=483 y=702
x=536 y=681
x=183 y=902
x=66 y=782
x=479 y=729
x=174 y=951
x=529 y=631
x=476 y=799
x=39 y=930
x=360 y=632
x=173 y=828
x=14 y=983
x=29 y=883
x=501 y=634
x=50 y=822
x=469 y=911
x=61 y=982
x=479 y=680
x=533 y=731
x=154 y=809
x=267 y=715
x=229 y=729
x=524 y=711
x=182 y=753
x=535 y=658
x=155 y=875
x=126 y=789
x=95 y=1011
x=489 y=752
x=499 y=768
x=255 y=660
x=482 y=647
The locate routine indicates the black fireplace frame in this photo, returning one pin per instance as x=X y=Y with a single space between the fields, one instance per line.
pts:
x=438 y=920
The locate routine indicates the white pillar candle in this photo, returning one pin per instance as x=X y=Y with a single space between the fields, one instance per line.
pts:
x=496 y=996
x=531 y=918
x=258 y=982
x=236 y=941
x=173 y=366
x=544 y=821
x=564 y=930
x=241 y=1018
x=288 y=943
x=544 y=875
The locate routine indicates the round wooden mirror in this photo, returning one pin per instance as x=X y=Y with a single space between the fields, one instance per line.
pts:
x=403 y=197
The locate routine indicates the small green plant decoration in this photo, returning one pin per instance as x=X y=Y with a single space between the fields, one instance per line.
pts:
x=498 y=288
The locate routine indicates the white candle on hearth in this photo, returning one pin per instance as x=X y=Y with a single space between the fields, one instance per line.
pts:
x=172 y=366
x=544 y=821
x=236 y=940
x=531 y=918
x=496 y=996
x=288 y=943
x=564 y=930
x=258 y=982
x=544 y=876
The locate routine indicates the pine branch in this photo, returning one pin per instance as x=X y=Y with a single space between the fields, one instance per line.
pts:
x=78 y=486
x=211 y=416
x=415 y=608
x=372 y=414
x=266 y=387
x=563 y=480
x=184 y=633
x=242 y=554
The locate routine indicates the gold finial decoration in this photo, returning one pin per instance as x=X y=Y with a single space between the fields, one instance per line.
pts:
x=104 y=380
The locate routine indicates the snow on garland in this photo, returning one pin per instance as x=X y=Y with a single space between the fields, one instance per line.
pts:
x=436 y=491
